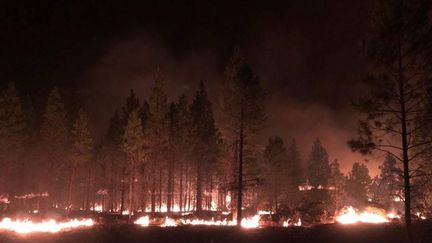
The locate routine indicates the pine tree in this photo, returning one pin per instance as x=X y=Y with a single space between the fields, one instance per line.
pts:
x=132 y=104
x=12 y=137
x=181 y=141
x=243 y=109
x=390 y=181
x=398 y=46
x=336 y=184
x=295 y=171
x=157 y=136
x=82 y=148
x=54 y=138
x=133 y=147
x=357 y=185
x=276 y=178
x=112 y=157
x=204 y=136
x=172 y=124
x=318 y=166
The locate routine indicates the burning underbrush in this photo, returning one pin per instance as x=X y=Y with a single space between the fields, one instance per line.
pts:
x=258 y=220
x=31 y=222
x=26 y=226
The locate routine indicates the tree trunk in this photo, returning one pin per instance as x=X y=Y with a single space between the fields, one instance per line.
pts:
x=404 y=137
x=240 y=174
x=87 y=206
x=111 y=195
x=153 y=189
x=71 y=180
x=198 y=204
x=181 y=187
x=233 y=191
x=122 y=190
x=160 y=189
x=210 y=192
x=170 y=186
x=143 y=191
x=131 y=182
x=188 y=186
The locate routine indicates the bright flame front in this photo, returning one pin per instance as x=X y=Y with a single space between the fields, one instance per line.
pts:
x=352 y=217
x=50 y=226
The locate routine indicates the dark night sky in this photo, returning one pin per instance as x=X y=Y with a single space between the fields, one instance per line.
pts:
x=306 y=53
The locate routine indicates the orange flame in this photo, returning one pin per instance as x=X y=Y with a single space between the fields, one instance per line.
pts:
x=50 y=226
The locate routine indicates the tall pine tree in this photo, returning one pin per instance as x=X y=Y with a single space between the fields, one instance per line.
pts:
x=205 y=139
x=399 y=49
x=157 y=136
x=12 y=137
x=54 y=139
x=357 y=185
x=243 y=109
x=276 y=176
x=133 y=147
x=82 y=148
x=318 y=169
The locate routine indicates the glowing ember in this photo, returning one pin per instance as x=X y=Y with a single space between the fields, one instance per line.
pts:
x=287 y=223
x=32 y=195
x=143 y=221
x=262 y=212
x=228 y=199
x=50 y=226
x=299 y=223
x=126 y=212
x=4 y=199
x=420 y=215
x=250 y=222
x=368 y=217
x=169 y=222
x=207 y=222
x=351 y=217
x=97 y=208
x=393 y=216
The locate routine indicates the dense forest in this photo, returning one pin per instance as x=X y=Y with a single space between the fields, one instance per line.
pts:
x=161 y=156
x=180 y=154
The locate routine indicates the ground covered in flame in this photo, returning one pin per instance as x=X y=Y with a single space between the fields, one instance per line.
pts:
x=248 y=222
x=352 y=216
x=47 y=226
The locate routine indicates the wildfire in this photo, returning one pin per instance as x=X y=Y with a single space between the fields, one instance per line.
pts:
x=32 y=195
x=247 y=223
x=392 y=215
x=4 y=199
x=420 y=215
x=50 y=226
x=252 y=222
x=288 y=223
x=352 y=217
x=207 y=222
x=143 y=221
x=169 y=222
x=97 y=208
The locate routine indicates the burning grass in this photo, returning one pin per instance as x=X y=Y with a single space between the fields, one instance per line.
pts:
x=351 y=216
x=48 y=226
